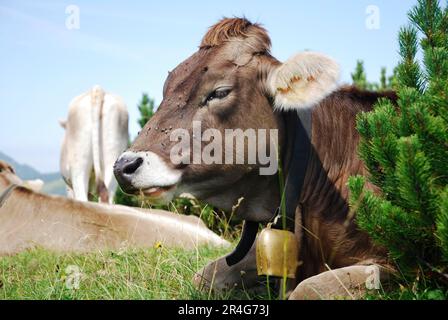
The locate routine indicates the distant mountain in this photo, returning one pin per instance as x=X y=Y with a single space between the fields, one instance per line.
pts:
x=53 y=181
x=56 y=187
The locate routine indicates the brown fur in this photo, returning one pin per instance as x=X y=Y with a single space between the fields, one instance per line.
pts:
x=227 y=29
x=330 y=234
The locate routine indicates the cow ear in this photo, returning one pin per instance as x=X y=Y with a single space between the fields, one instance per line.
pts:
x=63 y=123
x=303 y=80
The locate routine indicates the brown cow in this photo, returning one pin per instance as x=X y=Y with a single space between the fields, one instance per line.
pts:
x=233 y=82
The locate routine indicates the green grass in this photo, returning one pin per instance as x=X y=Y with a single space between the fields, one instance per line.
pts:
x=155 y=273
x=400 y=288
x=130 y=274
x=405 y=293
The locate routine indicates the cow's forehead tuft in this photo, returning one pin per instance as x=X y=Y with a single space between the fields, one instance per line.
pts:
x=237 y=28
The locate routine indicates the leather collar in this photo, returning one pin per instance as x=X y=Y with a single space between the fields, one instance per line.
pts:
x=6 y=193
x=298 y=142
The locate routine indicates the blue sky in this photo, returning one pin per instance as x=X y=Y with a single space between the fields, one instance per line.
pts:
x=128 y=47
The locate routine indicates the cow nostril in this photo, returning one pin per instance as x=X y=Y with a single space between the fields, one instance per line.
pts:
x=132 y=166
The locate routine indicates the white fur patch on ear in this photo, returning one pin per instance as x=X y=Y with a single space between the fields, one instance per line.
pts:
x=303 y=80
x=35 y=185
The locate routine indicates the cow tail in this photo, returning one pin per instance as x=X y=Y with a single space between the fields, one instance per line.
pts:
x=97 y=98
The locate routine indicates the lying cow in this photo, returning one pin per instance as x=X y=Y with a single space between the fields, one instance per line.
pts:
x=232 y=82
x=29 y=219
x=96 y=133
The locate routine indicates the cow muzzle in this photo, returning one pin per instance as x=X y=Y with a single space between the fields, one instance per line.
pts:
x=145 y=173
x=124 y=170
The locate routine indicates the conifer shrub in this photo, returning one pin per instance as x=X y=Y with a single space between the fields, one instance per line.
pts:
x=405 y=148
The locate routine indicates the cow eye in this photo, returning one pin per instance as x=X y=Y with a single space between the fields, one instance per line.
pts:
x=219 y=93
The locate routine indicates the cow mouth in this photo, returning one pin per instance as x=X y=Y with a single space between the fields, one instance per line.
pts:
x=156 y=192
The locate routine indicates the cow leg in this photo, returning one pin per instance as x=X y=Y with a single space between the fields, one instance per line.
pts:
x=111 y=184
x=80 y=187
x=217 y=275
x=81 y=178
x=108 y=187
x=102 y=192
x=70 y=193
x=351 y=282
x=115 y=141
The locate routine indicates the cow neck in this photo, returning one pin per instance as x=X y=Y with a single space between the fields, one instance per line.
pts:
x=6 y=193
x=295 y=156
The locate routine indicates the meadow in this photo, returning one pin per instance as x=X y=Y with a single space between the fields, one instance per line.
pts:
x=156 y=273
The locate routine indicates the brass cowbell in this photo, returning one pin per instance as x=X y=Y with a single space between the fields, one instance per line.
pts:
x=277 y=253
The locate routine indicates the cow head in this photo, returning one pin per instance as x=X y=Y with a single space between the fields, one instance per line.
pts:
x=8 y=176
x=8 y=173
x=231 y=82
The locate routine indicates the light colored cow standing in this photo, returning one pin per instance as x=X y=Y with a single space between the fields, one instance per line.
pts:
x=96 y=133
